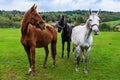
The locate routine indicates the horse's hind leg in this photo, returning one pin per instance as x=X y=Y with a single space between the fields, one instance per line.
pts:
x=86 y=60
x=53 y=52
x=82 y=54
x=68 y=49
x=63 y=48
x=46 y=56
x=73 y=49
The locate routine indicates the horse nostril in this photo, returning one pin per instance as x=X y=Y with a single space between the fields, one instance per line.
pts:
x=96 y=32
x=59 y=30
x=43 y=28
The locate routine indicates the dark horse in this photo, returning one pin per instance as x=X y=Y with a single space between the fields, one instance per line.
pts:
x=66 y=34
x=32 y=37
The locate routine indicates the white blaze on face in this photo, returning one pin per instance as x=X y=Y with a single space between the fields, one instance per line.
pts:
x=94 y=23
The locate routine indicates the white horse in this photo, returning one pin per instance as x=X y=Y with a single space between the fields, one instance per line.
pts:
x=82 y=38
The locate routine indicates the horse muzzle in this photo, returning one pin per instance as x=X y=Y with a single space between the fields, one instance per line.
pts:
x=96 y=32
x=59 y=30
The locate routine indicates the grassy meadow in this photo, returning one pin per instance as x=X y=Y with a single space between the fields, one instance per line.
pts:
x=112 y=23
x=104 y=59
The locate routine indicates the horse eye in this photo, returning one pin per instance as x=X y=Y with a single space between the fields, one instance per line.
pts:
x=90 y=19
x=36 y=15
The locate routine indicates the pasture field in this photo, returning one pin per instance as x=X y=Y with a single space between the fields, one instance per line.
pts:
x=112 y=23
x=104 y=59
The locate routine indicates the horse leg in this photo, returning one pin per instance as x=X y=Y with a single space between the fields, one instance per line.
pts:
x=86 y=60
x=63 y=48
x=32 y=58
x=82 y=54
x=27 y=49
x=73 y=49
x=53 y=52
x=68 y=49
x=77 y=58
x=46 y=56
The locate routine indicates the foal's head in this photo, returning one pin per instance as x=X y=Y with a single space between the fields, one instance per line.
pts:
x=61 y=24
x=93 y=22
x=33 y=16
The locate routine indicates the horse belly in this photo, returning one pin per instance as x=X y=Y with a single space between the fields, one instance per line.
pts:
x=44 y=41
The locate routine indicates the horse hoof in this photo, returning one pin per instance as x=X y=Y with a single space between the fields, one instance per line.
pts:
x=75 y=62
x=30 y=74
x=85 y=72
x=53 y=66
x=43 y=66
x=68 y=58
x=77 y=70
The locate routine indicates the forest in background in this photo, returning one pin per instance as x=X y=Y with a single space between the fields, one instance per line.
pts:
x=11 y=19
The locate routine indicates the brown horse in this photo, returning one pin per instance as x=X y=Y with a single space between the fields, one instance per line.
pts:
x=32 y=37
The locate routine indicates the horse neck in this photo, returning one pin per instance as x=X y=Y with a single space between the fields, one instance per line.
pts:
x=88 y=29
x=65 y=29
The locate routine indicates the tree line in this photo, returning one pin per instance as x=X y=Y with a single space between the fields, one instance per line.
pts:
x=11 y=19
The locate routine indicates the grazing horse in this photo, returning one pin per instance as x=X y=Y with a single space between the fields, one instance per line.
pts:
x=66 y=34
x=33 y=37
x=82 y=38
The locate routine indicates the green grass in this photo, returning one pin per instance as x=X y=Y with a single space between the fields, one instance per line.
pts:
x=104 y=60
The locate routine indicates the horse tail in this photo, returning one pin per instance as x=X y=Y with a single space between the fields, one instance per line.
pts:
x=53 y=51
x=53 y=46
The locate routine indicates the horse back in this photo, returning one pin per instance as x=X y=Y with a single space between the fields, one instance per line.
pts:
x=46 y=36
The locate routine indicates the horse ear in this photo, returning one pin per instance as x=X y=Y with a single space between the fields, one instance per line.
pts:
x=90 y=11
x=35 y=7
x=63 y=17
x=99 y=12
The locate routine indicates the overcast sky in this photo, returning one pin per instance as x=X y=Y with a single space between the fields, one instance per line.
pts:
x=61 y=5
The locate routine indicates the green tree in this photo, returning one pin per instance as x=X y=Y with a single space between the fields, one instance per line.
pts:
x=105 y=27
x=79 y=20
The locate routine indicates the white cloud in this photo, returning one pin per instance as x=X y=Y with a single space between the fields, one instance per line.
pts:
x=60 y=5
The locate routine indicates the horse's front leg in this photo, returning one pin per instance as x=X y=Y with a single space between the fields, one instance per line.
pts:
x=46 y=56
x=27 y=49
x=68 y=49
x=31 y=71
x=63 y=48
x=77 y=58
x=86 y=60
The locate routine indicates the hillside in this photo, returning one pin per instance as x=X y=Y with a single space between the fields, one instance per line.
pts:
x=113 y=23
x=13 y=18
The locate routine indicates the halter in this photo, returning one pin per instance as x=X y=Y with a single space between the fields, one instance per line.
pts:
x=61 y=26
x=40 y=23
x=94 y=25
x=32 y=19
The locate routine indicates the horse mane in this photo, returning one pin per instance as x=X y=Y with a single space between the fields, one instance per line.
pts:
x=25 y=22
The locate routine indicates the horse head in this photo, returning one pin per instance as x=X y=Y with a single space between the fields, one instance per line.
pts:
x=61 y=24
x=94 y=22
x=40 y=25
x=34 y=15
